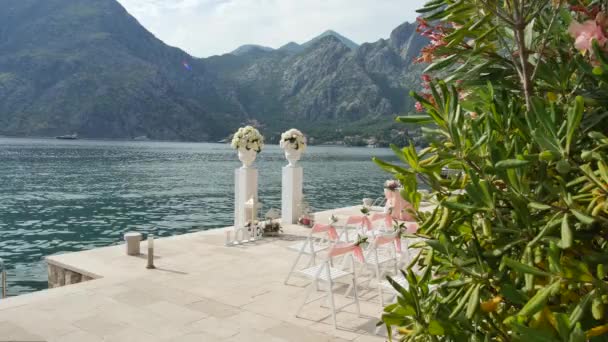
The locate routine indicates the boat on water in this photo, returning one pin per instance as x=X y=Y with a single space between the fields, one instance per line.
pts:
x=68 y=137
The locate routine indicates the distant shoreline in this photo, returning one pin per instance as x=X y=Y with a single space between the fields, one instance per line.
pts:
x=166 y=141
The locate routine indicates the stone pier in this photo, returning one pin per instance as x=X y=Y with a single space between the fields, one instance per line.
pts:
x=61 y=276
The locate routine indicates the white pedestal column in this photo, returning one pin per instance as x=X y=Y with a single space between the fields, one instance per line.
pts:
x=245 y=187
x=291 y=196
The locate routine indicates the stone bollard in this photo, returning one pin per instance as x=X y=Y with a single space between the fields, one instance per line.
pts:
x=133 y=239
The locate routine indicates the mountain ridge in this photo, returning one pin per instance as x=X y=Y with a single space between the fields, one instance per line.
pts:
x=88 y=66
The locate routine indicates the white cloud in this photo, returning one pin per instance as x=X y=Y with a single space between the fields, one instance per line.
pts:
x=210 y=27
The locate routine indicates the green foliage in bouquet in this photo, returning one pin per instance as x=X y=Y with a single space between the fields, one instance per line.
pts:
x=517 y=247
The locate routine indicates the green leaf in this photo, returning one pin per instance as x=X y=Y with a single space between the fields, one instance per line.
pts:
x=390 y=167
x=538 y=206
x=603 y=168
x=415 y=119
x=576 y=270
x=404 y=309
x=393 y=319
x=459 y=206
x=577 y=334
x=523 y=268
x=586 y=219
x=538 y=302
x=462 y=302
x=438 y=246
x=562 y=325
x=579 y=310
x=566 y=241
x=429 y=8
x=390 y=307
x=511 y=164
x=435 y=328
x=597 y=308
x=406 y=295
x=575 y=115
x=473 y=302
x=513 y=295
x=529 y=34
x=599 y=52
x=441 y=63
x=530 y=334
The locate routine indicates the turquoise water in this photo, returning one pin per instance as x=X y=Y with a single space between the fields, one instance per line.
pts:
x=61 y=196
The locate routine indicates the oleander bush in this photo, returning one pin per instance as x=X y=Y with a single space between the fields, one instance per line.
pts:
x=516 y=101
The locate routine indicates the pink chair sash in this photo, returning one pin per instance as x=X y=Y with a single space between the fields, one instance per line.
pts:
x=412 y=227
x=384 y=239
x=398 y=204
x=388 y=219
x=363 y=220
x=322 y=228
x=340 y=249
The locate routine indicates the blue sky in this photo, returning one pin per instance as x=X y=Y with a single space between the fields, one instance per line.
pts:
x=210 y=27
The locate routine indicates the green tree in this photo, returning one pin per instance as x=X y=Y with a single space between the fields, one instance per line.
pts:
x=517 y=246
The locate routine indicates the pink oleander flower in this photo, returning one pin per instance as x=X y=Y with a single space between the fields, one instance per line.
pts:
x=419 y=107
x=585 y=33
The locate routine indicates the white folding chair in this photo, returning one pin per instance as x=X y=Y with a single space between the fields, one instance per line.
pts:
x=326 y=274
x=358 y=224
x=379 y=202
x=319 y=239
x=382 y=258
x=387 y=221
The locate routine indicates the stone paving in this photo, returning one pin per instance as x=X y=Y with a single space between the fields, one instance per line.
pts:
x=200 y=291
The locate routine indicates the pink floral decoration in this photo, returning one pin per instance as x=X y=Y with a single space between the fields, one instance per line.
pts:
x=585 y=33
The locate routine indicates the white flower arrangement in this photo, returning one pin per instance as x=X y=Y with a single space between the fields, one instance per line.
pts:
x=293 y=139
x=248 y=138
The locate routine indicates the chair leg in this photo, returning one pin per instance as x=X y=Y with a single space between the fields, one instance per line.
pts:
x=293 y=267
x=311 y=287
x=333 y=304
x=356 y=296
x=355 y=291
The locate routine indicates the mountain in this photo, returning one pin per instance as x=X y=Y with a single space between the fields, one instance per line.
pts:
x=326 y=82
x=250 y=48
x=293 y=47
x=88 y=67
x=349 y=43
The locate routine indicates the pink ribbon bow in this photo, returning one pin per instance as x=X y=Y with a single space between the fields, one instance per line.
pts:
x=384 y=239
x=362 y=220
x=340 y=249
x=388 y=219
x=321 y=228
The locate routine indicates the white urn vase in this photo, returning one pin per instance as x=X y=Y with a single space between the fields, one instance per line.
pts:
x=247 y=157
x=292 y=156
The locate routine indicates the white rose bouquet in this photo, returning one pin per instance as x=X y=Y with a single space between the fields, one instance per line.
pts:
x=248 y=138
x=294 y=139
